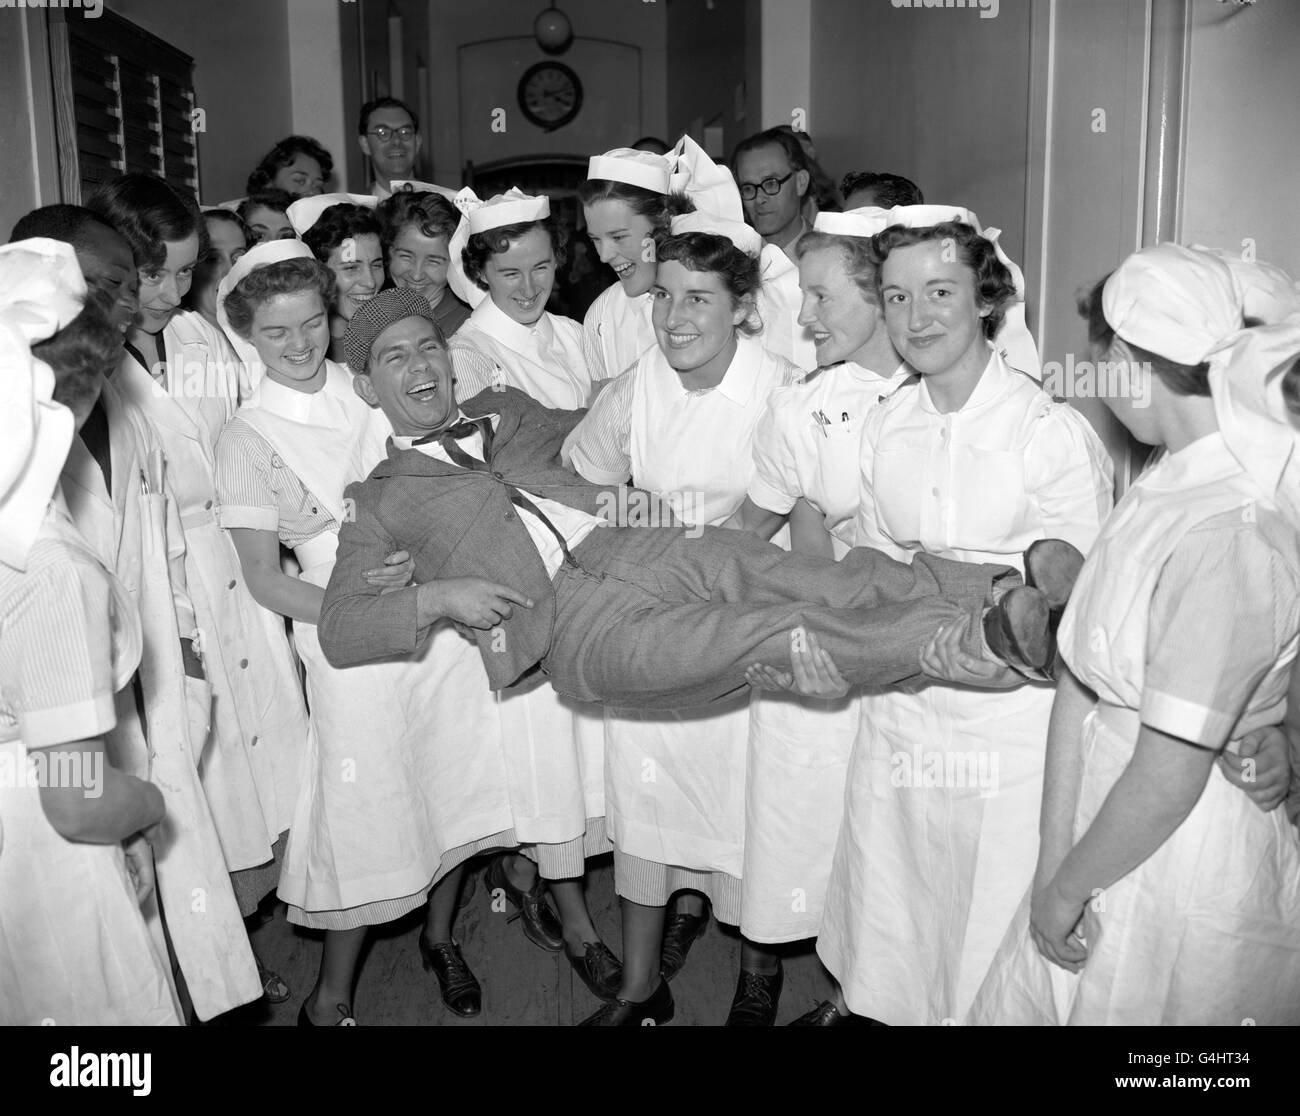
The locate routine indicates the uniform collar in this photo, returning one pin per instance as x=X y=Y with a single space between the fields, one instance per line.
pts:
x=994 y=381
x=738 y=382
x=496 y=323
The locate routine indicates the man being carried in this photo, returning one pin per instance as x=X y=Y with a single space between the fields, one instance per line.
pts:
x=509 y=542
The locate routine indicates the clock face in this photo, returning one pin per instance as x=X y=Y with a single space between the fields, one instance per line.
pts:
x=550 y=94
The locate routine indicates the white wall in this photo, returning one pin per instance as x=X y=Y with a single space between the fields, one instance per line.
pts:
x=786 y=64
x=1241 y=176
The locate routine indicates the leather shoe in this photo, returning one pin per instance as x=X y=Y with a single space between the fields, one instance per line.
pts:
x=826 y=1014
x=540 y=924
x=1017 y=630
x=1052 y=566
x=599 y=969
x=756 y=999
x=681 y=931
x=657 y=1009
x=461 y=991
x=345 y=1016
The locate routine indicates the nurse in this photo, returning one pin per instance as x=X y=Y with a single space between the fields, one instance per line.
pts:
x=298 y=165
x=504 y=258
x=681 y=423
x=183 y=376
x=1162 y=895
x=227 y=241
x=344 y=234
x=265 y=215
x=403 y=779
x=417 y=230
x=973 y=461
x=627 y=203
x=806 y=471
x=75 y=859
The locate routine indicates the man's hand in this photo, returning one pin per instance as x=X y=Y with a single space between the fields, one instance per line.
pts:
x=396 y=572
x=944 y=659
x=472 y=601
x=1261 y=768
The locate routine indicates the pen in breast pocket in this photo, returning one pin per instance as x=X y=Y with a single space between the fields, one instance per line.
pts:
x=844 y=416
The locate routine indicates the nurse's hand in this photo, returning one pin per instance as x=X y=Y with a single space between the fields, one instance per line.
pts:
x=395 y=573
x=1054 y=925
x=1262 y=767
x=139 y=867
x=944 y=659
x=812 y=671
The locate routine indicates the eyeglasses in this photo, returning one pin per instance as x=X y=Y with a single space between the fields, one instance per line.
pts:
x=769 y=186
x=383 y=133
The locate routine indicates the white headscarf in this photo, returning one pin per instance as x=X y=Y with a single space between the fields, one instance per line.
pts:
x=260 y=255
x=41 y=291
x=1013 y=340
x=1188 y=305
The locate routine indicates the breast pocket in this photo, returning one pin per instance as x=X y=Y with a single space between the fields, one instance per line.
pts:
x=988 y=492
x=898 y=481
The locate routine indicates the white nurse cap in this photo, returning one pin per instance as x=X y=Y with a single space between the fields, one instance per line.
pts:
x=743 y=236
x=260 y=255
x=41 y=291
x=305 y=212
x=864 y=222
x=511 y=208
x=1173 y=301
x=637 y=168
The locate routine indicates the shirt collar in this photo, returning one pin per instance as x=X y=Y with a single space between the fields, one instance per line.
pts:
x=495 y=322
x=742 y=374
x=992 y=383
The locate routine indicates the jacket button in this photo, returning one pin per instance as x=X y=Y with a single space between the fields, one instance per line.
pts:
x=498 y=476
x=509 y=515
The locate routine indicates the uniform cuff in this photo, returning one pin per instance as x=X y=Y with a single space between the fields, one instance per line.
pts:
x=256 y=519
x=772 y=499
x=83 y=720
x=1187 y=720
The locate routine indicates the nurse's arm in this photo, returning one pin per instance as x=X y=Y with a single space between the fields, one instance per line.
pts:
x=808 y=534
x=1164 y=779
x=107 y=807
x=272 y=588
x=759 y=521
x=1061 y=775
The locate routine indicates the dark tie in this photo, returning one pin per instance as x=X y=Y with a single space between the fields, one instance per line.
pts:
x=449 y=439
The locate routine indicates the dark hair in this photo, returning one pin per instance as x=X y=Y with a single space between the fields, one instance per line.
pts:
x=83 y=353
x=150 y=213
x=856 y=251
x=994 y=286
x=474 y=256
x=1181 y=379
x=68 y=223
x=338 y=223
x=658 y=209
x=229 y=218
x=890 y=189
x=264 y=283
x=272 y=198
x=651 y=141
x=800 y=158
x=363 y=124
x=282 y=155
x=431 y=214
x=741 y=273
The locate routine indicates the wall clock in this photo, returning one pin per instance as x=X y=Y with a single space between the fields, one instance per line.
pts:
x=550 y=95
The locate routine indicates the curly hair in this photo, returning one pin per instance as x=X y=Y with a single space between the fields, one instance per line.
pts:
x=994 y=286
x=149 y=213
x=83 y=353
x=265 y=283
x=856 y=252
x=271 y=198
x=740 y=272
x=430 y=214
x=1181 y=379
x=341 y=222
x=282 y=155
x=474 y=256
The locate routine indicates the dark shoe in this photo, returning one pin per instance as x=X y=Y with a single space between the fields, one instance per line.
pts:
x=460 y=989
x=540 y=924
x=1052 y=566
x=681 y=931
x=825 y=1014
x=657 y=1010
x=1017 y=630
x=600 y=970
x=345 y=1016
x=275 y=990
x=756 y=999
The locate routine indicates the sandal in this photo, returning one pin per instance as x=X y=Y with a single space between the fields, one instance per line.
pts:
x=274 y=987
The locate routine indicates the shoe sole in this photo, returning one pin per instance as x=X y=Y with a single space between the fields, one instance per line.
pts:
x=1055 y=583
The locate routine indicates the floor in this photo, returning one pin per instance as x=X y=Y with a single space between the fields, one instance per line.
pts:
x=522 y=985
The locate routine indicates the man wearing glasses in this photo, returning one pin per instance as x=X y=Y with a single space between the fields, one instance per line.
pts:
x=389 y=135
x=772 y=173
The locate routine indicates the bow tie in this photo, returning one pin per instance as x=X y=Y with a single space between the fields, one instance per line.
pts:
x=466 y=428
